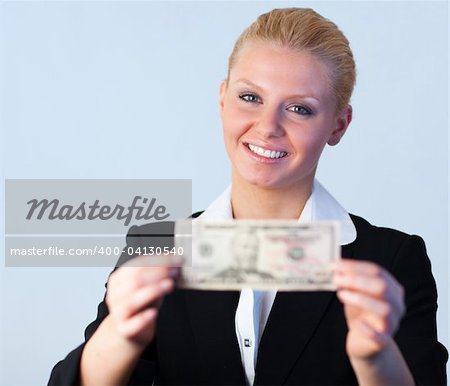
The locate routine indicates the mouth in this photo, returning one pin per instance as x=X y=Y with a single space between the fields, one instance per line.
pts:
x=266 y=153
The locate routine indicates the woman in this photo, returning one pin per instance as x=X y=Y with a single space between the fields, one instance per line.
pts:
x=287 y=93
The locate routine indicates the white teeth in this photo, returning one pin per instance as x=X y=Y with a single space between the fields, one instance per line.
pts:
x=266 y=153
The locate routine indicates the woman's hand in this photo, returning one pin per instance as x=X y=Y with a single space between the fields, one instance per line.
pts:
x=135 y=293
x=373 y=304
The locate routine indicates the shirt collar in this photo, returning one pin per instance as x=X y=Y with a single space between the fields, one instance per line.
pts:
x=321 y=205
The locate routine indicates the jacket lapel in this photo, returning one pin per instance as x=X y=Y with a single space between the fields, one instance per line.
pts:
x=292 y=322
x=212 y=318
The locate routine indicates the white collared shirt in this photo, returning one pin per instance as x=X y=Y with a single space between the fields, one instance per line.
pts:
x=254 y=306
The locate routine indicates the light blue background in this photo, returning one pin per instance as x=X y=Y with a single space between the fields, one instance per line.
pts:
x=129 y=90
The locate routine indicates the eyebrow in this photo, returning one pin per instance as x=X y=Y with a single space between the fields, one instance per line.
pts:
x=253 y=85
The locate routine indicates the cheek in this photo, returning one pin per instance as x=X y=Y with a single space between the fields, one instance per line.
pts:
x=308 y=140
x=233 y=122
x=309 y=143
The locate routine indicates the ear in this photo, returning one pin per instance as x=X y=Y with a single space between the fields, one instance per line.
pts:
x=342 y=122
x=222 y=91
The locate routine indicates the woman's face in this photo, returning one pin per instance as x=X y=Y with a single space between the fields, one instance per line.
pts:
x=278 y=112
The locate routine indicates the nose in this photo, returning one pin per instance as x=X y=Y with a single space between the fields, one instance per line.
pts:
x=269 y=122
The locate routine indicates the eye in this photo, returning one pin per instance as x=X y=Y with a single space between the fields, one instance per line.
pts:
x=249 y=97
x=299 y=109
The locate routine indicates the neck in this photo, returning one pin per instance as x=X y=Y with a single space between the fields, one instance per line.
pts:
x=253 y=202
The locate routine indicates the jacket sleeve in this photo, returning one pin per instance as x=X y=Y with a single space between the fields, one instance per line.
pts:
x=67 y=371
x=417 y=333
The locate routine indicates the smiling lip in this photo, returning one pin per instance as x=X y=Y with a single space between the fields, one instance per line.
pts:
x=264 y=154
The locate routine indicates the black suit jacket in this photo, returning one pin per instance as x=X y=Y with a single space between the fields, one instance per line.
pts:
x=304 y=339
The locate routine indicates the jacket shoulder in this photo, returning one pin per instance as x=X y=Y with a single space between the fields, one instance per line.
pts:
x=151 y=229
x=156 y=228
x=382 y=244
x=365 y=229
x=197 y=214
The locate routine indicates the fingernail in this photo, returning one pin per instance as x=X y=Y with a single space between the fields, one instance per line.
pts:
x=347 y=295
x=151 y=313
x=174 y=272
x=336 y=280
x=165 y=285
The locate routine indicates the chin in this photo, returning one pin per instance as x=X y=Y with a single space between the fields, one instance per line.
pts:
x=265 y=183
x=275 y=182
x=270 y=181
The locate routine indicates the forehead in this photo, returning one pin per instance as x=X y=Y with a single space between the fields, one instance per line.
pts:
x=270 y=66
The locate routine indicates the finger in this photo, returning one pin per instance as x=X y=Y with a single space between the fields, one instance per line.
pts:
x=123 y=285
x=382 y=286
x=138 y=323
x=145 y=296
x=356 y=266
x=375 y=286
x=364 y=269
x=381 y=315
x=127 y=279
x=151 y=275
x=380 y=339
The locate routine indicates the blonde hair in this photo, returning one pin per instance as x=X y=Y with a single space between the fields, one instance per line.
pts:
x=304 y=29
